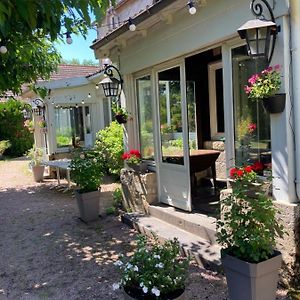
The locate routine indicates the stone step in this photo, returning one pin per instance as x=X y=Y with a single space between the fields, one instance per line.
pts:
x=205 y=254
x=197 y=224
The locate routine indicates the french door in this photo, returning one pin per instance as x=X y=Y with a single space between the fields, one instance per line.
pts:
x=172 y=136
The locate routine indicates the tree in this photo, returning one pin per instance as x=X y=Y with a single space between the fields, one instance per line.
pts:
x=27 y=29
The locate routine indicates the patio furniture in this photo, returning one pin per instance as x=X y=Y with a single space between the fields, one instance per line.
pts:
x=63 y=164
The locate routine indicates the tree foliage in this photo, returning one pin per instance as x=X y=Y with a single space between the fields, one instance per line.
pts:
x=25 y=27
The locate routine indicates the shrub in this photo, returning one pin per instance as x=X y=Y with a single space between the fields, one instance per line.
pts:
x=36 y=156
x=12 y=127
x=109 y=144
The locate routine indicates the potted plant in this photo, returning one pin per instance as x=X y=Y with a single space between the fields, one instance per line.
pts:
x=121 y=114
x=247 y=232
x=36 y=156
x=155 y=271
x=264 y=87
x=133 y=161
x=87 y=173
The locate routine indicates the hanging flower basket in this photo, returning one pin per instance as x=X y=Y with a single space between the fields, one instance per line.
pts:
x=274 y=104
x=121 y=119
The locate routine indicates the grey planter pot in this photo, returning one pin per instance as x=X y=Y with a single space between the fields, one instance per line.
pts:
x=38 y=173
x=181 y=297
x=139 y=168
x=248 y=281
x=88 y=205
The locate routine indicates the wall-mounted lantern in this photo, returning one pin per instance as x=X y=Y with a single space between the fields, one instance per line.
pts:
x=112 y=86
x=38 y=107
x=260 y=33
x=26 y=114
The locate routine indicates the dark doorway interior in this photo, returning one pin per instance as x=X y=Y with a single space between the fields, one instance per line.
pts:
x=205 y=196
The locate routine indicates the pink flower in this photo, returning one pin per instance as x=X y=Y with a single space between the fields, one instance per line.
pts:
x=277 y=67
x=253 y=79
x=251 y=127
x=247 y=89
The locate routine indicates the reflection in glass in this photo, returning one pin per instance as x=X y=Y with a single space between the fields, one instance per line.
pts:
x=143 y=86
x=191 y=110
x=69 y=127
x=170 y=116
x=252 y=123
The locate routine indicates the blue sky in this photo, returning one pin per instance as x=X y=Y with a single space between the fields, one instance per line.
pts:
x=80 y=48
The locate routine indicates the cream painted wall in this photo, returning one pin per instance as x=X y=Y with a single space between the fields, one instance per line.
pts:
x=70 y=96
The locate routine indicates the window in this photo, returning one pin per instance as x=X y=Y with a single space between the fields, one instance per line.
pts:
x=216 y=100
x=251 y=122
x=143 y=86
x=73 y=126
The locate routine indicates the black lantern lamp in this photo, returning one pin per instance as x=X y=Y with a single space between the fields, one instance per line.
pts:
x=38 y=107
x=26 y=114
x=112 y=86
x=260 y=33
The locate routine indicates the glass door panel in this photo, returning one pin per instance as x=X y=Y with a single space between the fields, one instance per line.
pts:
x=170 y=114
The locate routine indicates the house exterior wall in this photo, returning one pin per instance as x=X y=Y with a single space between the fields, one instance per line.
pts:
x=188 y=33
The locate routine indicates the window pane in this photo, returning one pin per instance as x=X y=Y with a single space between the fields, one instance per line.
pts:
x=219 y=100
x=170 y=116
x=191 y=110
x=69 y=127
x=252 y=123
x=145 y=117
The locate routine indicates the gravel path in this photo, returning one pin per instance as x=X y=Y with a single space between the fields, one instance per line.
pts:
x=47 y=253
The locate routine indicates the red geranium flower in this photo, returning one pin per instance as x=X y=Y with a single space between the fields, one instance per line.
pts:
x=248 y=169
x=257 y=166
x=239 y=173
x=233 y=172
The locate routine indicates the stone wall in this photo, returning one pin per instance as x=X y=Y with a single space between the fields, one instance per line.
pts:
x=221 y=161
x=139 y=190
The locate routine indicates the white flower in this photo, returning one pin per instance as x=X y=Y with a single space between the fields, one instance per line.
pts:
x=145 y=290
x=160 y=265
x=156 y=256
x=141 y=284
x=116 y=286
x=136 y=268
x=129 y=266
x=82 y=156
x=155 y=291
x=118 y=263
x=95 y=160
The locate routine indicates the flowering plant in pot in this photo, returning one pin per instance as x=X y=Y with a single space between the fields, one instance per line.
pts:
x=155 y=271
x=265 y=86
x=87 y=172
x=247 y=231
x=133 y=160
x=37 y=155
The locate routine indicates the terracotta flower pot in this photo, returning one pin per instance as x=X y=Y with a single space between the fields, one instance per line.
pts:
x=134 y=294
x=274 y=104
x=38 y=173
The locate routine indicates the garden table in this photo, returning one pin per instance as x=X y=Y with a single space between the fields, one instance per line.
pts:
x=63 y=164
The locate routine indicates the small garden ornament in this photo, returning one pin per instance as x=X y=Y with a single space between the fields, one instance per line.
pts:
x=264 y=87
x=87 y=172
x=154 y=272
x=247 y=231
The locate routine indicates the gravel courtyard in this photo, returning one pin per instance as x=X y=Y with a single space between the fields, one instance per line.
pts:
x=48 y=253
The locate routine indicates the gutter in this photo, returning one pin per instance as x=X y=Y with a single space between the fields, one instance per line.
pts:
x=151 y=11
x=295 y=72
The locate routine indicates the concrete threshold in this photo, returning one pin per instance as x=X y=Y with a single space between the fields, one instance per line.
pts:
x=207 y=255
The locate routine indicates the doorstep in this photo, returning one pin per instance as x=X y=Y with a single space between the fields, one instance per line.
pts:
x=206 y=254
